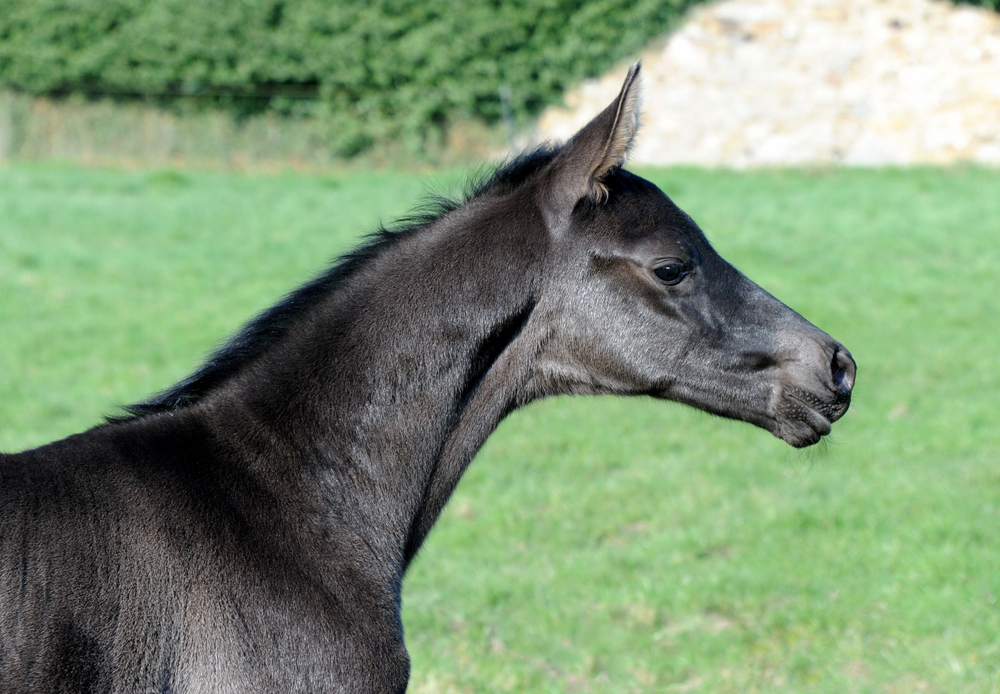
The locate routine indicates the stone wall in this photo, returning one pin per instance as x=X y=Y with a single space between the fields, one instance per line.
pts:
x=776 y=82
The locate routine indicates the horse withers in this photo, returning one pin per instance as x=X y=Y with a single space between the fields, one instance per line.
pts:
x=248 y=529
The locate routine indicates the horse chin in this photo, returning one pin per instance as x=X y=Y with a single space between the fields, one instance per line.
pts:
x=801 y=434
x=804 y=418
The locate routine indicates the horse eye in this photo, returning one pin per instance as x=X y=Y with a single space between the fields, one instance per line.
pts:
x=671 y=273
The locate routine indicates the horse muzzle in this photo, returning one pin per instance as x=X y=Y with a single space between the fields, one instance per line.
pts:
x=811 y=399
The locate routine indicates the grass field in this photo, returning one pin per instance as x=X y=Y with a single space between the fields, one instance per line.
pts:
x=604 y=545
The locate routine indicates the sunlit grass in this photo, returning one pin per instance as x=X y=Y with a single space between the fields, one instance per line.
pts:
x=604 y=545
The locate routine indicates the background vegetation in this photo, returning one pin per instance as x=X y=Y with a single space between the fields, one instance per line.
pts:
x=377 y=69
x=359 y=72
x=604 y=545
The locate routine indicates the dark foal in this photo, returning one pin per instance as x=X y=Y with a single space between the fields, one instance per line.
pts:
x=248 y=530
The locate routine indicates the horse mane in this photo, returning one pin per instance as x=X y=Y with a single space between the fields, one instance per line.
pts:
x=271 y=325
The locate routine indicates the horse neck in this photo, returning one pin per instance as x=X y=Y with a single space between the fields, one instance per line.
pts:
x=384 y=393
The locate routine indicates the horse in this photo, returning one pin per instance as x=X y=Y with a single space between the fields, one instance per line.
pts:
x=249 y=528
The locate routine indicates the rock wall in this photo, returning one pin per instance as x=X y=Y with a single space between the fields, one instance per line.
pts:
x=777 y=82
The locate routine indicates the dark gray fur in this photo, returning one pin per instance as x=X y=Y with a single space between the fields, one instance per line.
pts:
x=249 y=529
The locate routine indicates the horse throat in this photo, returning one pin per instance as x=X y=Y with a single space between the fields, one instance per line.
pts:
x=493 y=388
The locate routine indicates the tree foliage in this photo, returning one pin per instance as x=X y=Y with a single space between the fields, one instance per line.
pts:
x=369 y=70
x=375 y=69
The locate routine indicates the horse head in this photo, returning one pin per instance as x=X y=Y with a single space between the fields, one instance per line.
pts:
x=638 y=301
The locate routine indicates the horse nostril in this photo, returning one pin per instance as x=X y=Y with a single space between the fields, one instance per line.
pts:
x=843 y=369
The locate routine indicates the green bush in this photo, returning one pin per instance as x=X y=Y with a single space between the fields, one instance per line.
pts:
x=989 y=4
x=374 y=70
x=379 y=69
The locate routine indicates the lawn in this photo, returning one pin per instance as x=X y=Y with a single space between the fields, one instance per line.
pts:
x=603 y=545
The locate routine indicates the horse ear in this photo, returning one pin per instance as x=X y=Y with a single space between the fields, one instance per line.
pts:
x=596 y=149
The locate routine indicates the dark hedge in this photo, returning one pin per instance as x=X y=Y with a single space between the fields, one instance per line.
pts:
x=368 y=69
x=376 y=69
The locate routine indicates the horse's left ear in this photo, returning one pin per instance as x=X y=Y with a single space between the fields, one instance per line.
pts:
x=600 y=146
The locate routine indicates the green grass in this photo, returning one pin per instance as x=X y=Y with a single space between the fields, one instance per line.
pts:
x=604 y=545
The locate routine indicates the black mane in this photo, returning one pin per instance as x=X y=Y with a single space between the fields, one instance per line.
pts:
x=268 y=327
